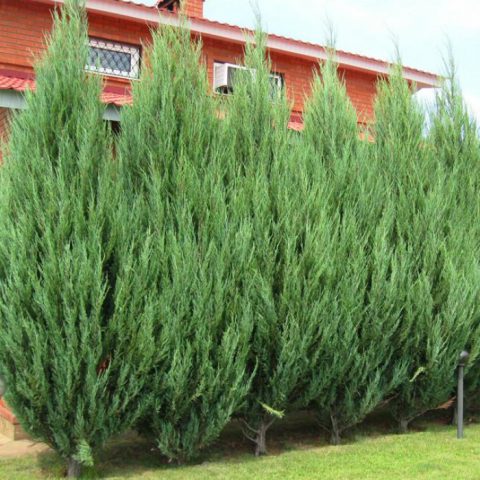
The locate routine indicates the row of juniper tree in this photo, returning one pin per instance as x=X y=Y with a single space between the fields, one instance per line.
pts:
x=206 y=263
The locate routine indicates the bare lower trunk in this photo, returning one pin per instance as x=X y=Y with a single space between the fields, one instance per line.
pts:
x=403 y=425
x=261 y=439
x=454 y=418
x=335 y=431
x=180 y=461
x=258 y=435
x=74 y=468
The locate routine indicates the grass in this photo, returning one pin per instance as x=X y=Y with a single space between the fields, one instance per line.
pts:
x=430 y=452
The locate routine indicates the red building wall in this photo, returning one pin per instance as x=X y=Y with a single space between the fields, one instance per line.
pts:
x=5 y=115
x=23 y=26
x=194 y=8
x=22 y=29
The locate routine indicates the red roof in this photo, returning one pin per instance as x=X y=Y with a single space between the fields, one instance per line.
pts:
x=119 y=97
x=20 y=82
x=15 y=83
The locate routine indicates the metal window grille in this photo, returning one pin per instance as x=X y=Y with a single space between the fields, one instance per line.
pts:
x=112 y=58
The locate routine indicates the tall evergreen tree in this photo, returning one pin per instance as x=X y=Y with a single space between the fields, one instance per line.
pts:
x=351 y=371
x=273 y=194
x=171 y=158
x=454 y=139
x=74 y=343
x=438 y=293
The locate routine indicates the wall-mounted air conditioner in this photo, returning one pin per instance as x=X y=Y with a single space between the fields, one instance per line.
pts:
x=224 y=78
x=224 y=74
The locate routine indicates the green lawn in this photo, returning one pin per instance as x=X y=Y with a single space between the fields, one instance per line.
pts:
x=431 y=454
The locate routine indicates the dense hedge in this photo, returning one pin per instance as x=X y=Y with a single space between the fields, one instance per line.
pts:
x=72 y=278
x=206 y=263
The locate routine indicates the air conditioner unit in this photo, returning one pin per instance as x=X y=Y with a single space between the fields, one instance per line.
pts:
x=224 y=76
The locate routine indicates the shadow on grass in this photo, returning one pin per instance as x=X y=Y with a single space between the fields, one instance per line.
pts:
x=126 y=456
x=130 y=455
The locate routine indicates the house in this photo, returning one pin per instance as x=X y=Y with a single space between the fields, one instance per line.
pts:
x=119 y=28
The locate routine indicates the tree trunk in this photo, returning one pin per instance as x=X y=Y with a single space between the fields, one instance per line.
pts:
x=454 y=419
x=335 y=436
x=74 y=468
x=403 y=425
x=258 y=434
x=261 y=439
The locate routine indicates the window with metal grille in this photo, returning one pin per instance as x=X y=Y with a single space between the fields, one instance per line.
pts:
x=112 y=58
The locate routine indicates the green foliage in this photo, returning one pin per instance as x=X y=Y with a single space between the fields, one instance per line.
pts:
x=455 y=142
x=73 y=347
x=230 y=267
x=350 y=371
x=330 y=119
x=172 y=160
x=433 y=238
x=274 y=195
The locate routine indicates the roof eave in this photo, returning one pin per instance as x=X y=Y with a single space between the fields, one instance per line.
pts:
x=210 y=29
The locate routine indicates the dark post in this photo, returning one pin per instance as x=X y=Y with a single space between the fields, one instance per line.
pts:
x=461 y=366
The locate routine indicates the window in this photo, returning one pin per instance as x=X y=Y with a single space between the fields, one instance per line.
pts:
x=276 y=82
x=171 y=5
x=115 y=59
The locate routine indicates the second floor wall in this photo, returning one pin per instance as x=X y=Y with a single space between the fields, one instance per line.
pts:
x=24 y=26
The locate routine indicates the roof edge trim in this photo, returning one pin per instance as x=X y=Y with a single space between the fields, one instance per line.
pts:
x=212 y=29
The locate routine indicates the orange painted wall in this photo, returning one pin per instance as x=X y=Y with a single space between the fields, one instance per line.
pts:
x=5 y=115
x=23 y=26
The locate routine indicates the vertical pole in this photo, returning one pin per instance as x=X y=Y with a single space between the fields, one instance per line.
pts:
x=460 y=402
x=462 y=360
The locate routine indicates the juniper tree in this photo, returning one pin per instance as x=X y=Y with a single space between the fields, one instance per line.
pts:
x=350 y=372
x=439 y=271
x=455 y=142
x=172 y=160
x=271 y=187
x=75 y=341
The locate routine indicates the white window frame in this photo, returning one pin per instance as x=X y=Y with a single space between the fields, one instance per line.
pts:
x=279 y=80
x=112 y=46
